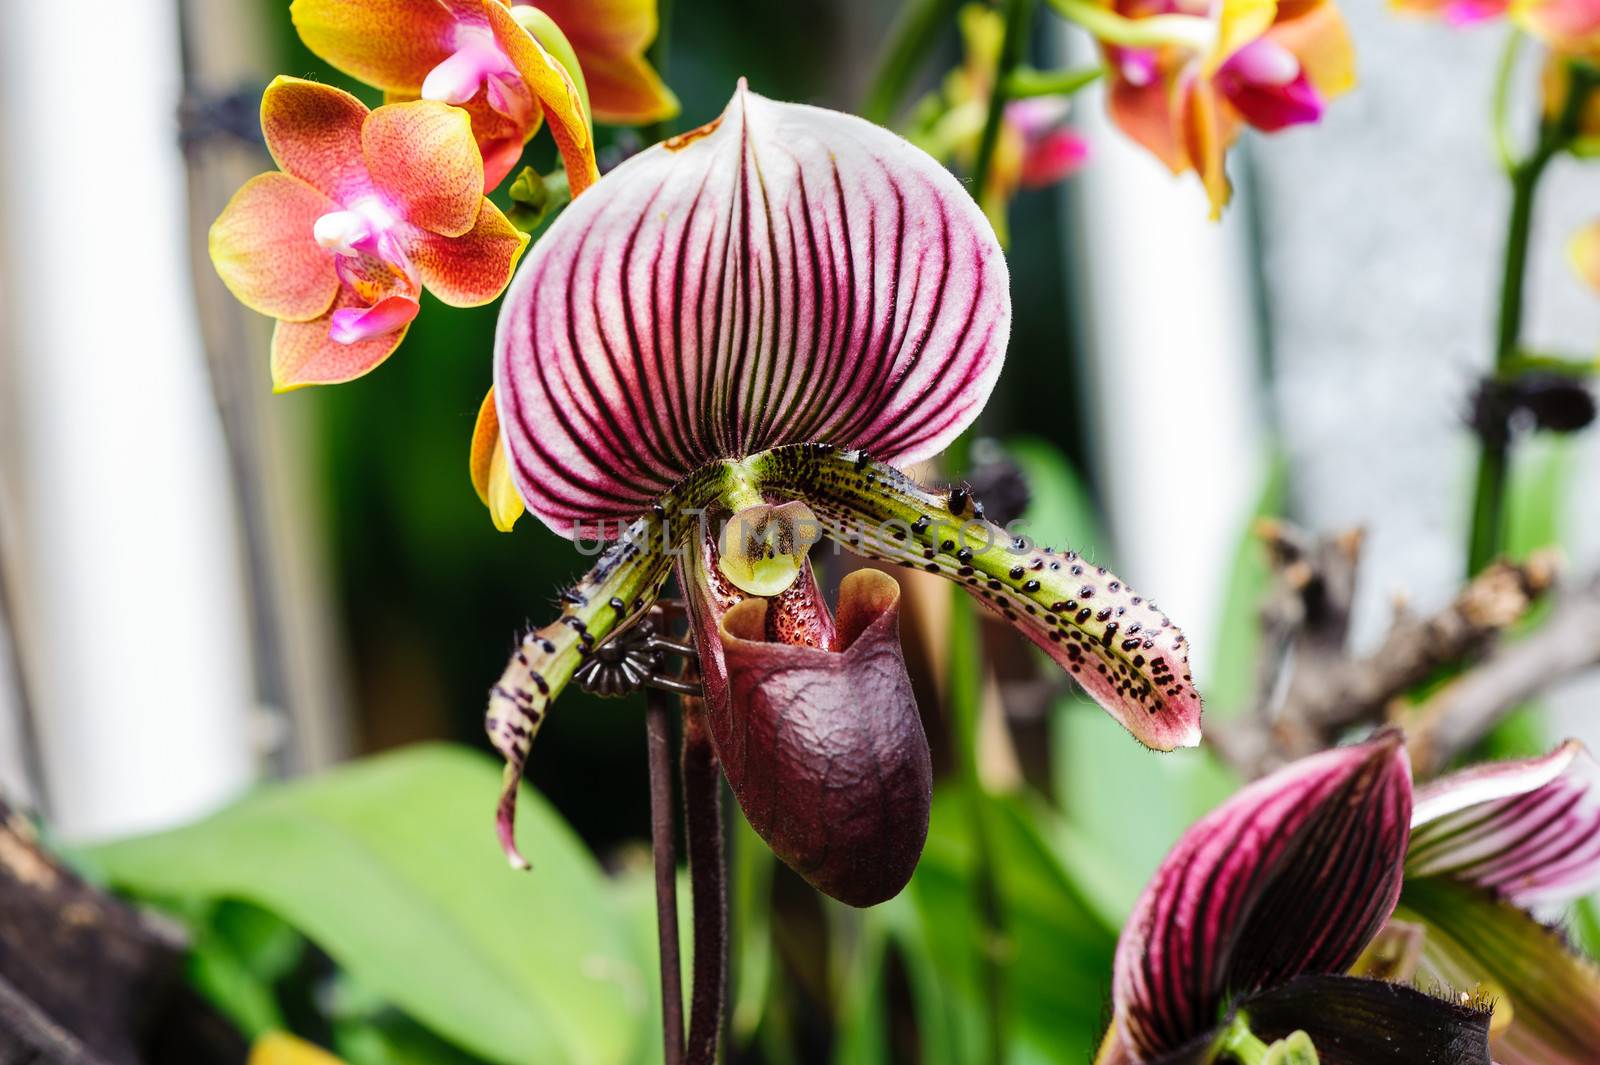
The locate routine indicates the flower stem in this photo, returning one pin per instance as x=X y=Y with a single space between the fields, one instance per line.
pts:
x=657 y=728
x=1150 y=32
x=1018 y=15
x=916 y=31
x=1502 y=96
x=1027 y=82
x=708 y=874
x=1494 y=458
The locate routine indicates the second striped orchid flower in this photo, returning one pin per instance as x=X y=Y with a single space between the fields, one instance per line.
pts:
x=1238 y=950
x=728 y=348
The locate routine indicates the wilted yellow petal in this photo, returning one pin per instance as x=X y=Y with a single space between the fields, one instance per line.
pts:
x=491 y=468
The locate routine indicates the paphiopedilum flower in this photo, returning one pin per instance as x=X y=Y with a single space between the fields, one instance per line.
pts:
x=1187 y=75
x=486 y=57
x=367 y=209
x=1238 y=949
x=1036 y=148
x=1491 y=847
x=751 y=322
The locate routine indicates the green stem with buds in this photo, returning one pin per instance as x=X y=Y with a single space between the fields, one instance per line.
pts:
x=1026 y=81
x=1152 y=32
x=1494 y=459
x=1018 y=14
x=916 y=31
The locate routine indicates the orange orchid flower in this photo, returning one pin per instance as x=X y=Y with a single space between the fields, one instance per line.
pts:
x=1185 y=90
x=366 y=209
x=509 y=67
x=474 y=54
x=610 y=38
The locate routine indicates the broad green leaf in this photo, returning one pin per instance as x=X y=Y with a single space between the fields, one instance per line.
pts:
x=238 y=954
x=1060 y=512
x=1055 y=951
x=1234 y=661
x=1129 y=804
x=1536 y=518
x=751 y=888
x=391 y=866
x=1541 y=482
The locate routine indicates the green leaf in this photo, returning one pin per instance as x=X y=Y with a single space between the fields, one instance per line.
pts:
x=238 y=954
x=391 y=866
x=751 y=888
x=1055 y=955
x=1474 y=940
x=1230 y=683
x=1536 y=513
x=1060 y=510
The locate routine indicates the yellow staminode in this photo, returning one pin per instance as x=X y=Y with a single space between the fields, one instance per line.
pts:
x=763 y=548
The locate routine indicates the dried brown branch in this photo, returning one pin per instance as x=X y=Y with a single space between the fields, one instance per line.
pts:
x=1313 y=689
x=86 y=979
x=1462 y=713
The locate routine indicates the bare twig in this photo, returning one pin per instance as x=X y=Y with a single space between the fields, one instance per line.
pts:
x=1463 y=712
x=1329 y=691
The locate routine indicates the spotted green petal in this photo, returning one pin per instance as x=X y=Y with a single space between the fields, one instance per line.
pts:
x=1113 y=641
x=616 y=593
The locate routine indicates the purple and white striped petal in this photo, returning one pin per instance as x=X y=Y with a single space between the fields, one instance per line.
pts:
x=784 y=274
x=1528 y=830
x=1293 y=875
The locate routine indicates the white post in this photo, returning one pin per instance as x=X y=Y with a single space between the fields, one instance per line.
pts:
x=1165 y=301
x=139 y=655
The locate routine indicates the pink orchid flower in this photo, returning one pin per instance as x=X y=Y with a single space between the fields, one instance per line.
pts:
x=1569 y=27
x=479 y=55
x=749 y=324
x=368 y=208
x=1036 y=147
x=1049 y=150
x=1455 y=12
x=1226 y=64
x=1489 y=845
x=1238 y=949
